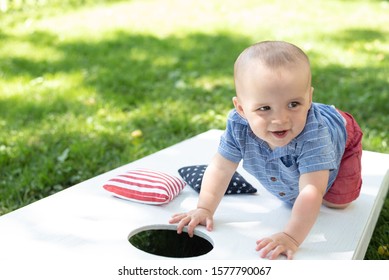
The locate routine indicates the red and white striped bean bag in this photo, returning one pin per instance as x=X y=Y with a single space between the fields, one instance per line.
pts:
x=145 y=186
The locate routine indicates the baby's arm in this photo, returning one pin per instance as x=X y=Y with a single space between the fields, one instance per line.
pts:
x=215 y=182
x=303 y=217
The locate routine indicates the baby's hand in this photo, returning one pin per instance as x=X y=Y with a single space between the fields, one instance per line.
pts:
x=279 y=243
x=192 y=219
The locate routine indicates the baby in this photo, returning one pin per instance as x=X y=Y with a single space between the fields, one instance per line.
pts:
x=305 y=153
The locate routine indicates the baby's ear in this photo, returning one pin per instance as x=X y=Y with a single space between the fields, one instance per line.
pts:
x=238 y=106
x=311 y=94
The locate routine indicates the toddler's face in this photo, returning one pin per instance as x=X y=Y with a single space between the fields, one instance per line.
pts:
x=275 y=102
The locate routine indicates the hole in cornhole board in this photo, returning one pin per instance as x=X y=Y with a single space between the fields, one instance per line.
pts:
x=163 y=240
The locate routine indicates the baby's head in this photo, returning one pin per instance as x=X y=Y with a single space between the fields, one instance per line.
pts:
x=273 y=90
x=273 y=55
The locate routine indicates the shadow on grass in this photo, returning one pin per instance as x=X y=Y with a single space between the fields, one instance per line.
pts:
x=129 y=70
x=359 y=35
x=362 y=91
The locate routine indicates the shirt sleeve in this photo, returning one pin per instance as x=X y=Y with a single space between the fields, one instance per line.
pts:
x=317 y=153
x=229 y=146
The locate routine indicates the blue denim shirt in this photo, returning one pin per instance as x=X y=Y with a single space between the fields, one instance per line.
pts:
x=320 y=146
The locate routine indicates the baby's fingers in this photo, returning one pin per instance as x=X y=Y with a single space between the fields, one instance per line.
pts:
x=262 y=243
x=192 y=224
x=209 y=224
x=181 y=220
x=265 y=245
x=177 y=217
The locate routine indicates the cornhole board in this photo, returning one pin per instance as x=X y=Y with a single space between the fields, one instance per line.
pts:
x=86 y=222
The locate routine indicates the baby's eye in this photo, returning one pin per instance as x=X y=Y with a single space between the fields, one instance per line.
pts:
x=264 y=108
x=293 y=104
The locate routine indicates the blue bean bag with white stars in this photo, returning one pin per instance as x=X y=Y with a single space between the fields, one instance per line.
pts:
x=193 y=176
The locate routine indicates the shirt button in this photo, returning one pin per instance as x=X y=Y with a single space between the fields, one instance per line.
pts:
x=273 y=179
x=281 y=193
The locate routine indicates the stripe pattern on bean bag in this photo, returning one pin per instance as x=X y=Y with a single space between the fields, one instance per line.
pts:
x=145 y=186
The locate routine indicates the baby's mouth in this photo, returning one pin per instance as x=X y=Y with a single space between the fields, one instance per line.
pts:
x=280 y=133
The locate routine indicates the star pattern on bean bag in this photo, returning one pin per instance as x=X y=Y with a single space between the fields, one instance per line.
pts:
x=193 y=176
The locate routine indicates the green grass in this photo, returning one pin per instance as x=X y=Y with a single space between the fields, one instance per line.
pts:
x=77 y=80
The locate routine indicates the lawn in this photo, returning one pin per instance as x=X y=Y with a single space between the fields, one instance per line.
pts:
x=87 y=88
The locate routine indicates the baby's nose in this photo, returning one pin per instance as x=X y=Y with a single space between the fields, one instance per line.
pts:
x=281 y=118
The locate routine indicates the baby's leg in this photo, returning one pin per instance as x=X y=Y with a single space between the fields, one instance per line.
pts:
x=335 y=206
x=347 y=185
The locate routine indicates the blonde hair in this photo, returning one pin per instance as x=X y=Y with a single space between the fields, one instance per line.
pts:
x=273 y=54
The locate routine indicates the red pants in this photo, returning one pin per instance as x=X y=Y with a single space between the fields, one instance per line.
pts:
x=348 y=182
